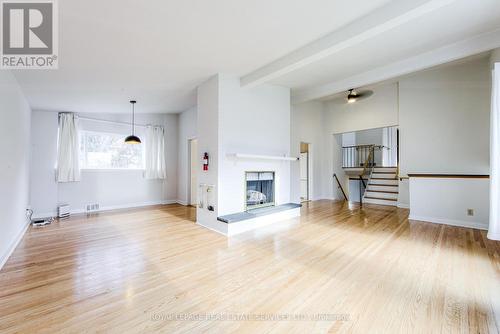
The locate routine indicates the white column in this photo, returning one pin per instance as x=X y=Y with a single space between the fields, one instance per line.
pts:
x=494 y=228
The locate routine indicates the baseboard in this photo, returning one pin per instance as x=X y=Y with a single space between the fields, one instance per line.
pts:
x=128 y=206
x=215 y=226
x=403 y=206
x=326 y=198
x=13 y=246
x=181 y=202
x=44 y=215
x=452 y=222
x=495 y=236
x=108 y=208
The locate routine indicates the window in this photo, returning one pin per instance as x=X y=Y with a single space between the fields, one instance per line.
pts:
x=100 y=150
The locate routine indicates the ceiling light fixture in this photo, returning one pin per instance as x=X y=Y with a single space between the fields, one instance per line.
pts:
x=352 y=96
x=133 y=139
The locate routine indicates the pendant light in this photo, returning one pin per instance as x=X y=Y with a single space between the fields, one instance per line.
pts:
x=133 y=139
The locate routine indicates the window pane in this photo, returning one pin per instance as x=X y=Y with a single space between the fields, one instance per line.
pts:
x=100 y=150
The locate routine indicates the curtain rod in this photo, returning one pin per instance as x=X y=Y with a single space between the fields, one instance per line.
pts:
x=114 y=122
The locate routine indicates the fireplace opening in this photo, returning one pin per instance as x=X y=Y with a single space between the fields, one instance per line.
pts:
x=259 y=189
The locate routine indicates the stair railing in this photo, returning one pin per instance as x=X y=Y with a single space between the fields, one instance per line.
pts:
x=368 y=166
x=340 y=186
x=355 y=156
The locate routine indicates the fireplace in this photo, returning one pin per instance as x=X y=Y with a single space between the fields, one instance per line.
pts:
x=259 y=189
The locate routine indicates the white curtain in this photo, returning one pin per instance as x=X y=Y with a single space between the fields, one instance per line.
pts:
x=155 y=153
x=68 y=167
x=494 y=228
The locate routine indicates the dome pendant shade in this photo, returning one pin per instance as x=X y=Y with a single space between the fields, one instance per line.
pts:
x=133 y=139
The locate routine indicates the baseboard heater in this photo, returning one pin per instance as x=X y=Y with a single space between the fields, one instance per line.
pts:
x=63 y=210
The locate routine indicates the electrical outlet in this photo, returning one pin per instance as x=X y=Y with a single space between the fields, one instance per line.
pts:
x=470 y=212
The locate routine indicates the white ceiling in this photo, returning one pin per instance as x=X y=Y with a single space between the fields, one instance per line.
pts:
x=340 y=97
x=158 y=51
x=460 y=20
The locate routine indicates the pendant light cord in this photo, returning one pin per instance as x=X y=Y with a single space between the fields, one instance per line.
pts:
x=133 y=119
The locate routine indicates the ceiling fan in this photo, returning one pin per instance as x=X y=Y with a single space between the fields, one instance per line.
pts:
x=354 y=96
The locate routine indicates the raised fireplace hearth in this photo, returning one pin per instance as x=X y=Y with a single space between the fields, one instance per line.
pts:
x=259 y=190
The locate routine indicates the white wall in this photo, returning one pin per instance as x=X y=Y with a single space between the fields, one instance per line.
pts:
x=108 y=188
x=444 y=120
x=349 y=139
x=44 y=191
x=305 y=120
x=15 y=125
x=368 y=137
x=445 y=201
x=239 y=120
x=371 y=137
x=354 y=190
x=443 y=117
x=378 y=111
x=187 y=130
x=444 y=129
x=333 y=165
x=444 y=123
x=252 y=121
x=208 y=141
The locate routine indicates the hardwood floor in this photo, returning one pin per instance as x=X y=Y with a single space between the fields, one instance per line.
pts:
x=365 y=271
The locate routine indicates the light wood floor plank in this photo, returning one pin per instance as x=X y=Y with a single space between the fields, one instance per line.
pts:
x=369 y=270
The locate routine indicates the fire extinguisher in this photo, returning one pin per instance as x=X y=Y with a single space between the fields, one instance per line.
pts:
x=205 y=161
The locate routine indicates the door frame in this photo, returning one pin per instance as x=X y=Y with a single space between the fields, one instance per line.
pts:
x=189 y=171
x=309 y=170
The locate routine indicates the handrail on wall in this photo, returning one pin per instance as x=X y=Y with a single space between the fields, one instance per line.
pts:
x=450 y=176
x=367 y=145
x=340 y=186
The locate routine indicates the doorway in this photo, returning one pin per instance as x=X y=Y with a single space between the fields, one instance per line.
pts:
x=304 y=172
x=193 y=172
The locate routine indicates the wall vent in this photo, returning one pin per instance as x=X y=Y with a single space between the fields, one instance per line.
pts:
x=92 y=207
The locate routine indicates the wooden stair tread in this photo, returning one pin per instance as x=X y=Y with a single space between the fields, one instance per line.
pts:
x=384 y=178
x=382 y=191
x=381 y=199
x=382 y=185
x=384 y=172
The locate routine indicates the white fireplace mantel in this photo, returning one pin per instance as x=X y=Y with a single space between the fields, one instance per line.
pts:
x=265 y=157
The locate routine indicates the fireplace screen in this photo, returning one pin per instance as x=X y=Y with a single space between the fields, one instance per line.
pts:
x=259 y=189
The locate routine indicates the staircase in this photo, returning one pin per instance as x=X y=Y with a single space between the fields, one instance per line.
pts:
x=382 y=188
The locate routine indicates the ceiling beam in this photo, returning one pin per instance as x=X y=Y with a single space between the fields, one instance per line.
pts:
x=445 y=54
x=383 y=19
